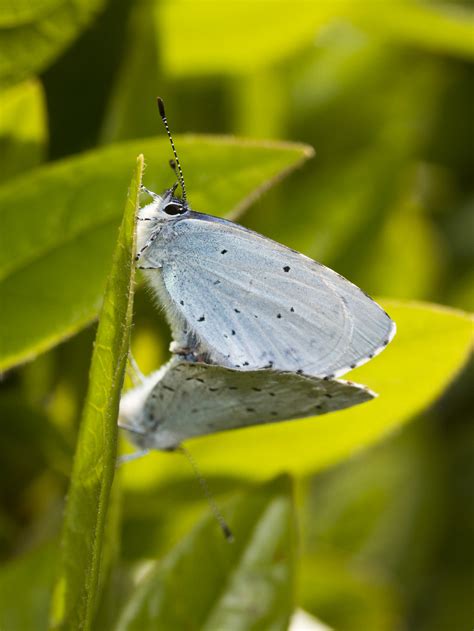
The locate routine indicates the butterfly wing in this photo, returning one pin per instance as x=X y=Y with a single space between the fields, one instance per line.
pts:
x=253 y=303
x=193 y=399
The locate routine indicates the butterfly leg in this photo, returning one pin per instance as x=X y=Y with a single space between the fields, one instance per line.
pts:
x=134 y=371
x=147 y=245
x=135 y=455
x=188 y=353
x=177 y=349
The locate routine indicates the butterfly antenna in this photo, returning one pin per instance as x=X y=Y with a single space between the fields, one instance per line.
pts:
x=210 y=498
x=174 y=168
x=161 y=109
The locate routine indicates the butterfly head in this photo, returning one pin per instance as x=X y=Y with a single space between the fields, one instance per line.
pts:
x=170 y=204
x=163 y=207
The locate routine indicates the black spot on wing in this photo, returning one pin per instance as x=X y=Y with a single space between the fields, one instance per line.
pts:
x=286 y=268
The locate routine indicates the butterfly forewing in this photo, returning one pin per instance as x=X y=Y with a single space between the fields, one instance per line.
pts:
x=253 y=303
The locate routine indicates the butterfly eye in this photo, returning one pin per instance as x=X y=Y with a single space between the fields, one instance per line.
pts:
x=174 y=209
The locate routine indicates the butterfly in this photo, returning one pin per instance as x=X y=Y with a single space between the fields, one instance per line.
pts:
x=183 y=400
x=236 y=298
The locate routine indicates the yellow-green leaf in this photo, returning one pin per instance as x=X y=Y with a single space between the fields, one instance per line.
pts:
x=441 y=29
x=33 y=33
x=431 y=346
x=25 y=589
x=23 y=128
x=77 y=586
x=246 y=585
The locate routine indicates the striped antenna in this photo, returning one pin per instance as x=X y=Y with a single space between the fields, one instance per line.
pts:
x=227 y=532
x=161 y=109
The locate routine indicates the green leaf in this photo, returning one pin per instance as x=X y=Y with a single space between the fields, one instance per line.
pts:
x=430 y=348
x=16 y=12
x=33 y=34
x=196 y=54
x=29 y=443
x=58 y=225
x=23 y=129
x=439 y=29
x=75 y=595
x=416 y=273
x=110 y=584
x=243 y=585
x=347 y=597
x=371 y=525
x=25 y=589
x=126 y=116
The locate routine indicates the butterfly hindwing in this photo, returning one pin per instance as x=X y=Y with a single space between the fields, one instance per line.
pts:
x=187 y=399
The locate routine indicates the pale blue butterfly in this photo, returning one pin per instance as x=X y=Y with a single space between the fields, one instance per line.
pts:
x=238 y=299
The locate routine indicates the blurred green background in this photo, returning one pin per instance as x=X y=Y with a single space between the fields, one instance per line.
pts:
x=384 y=93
